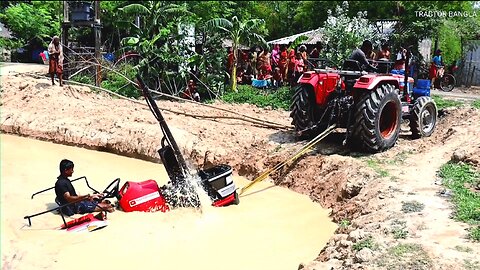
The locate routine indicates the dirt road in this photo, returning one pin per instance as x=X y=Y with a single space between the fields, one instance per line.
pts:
x=365 y=192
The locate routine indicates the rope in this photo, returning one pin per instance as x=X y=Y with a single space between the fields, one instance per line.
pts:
x=298 y=154
x=245 y=118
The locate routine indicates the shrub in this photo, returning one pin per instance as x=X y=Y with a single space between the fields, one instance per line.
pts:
x=280 y=98
x=118 y=84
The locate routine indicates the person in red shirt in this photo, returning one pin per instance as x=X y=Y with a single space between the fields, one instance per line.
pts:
x=191 y=92
x=277 y=77
x=283 y=62
x=299 y=67
x=291 y=64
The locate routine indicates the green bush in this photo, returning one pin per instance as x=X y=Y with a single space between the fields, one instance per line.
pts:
x=118 y=84
x=84 y=79
x=280 y=98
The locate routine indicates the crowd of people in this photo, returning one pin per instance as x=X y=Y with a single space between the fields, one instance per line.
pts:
x=284 y=64
x=281 y=66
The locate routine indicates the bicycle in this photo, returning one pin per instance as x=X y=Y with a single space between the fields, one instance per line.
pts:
x=445 y=82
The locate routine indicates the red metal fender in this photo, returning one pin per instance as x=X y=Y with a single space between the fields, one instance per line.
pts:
x=323 y=84
x=370 y=81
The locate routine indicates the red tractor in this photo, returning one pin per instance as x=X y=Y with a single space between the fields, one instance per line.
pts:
x=371 y=107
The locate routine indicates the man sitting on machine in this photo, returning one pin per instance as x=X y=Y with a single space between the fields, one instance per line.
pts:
x=78 y=204
x=360 y=55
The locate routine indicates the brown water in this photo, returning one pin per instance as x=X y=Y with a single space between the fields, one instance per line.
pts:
x=273 y=228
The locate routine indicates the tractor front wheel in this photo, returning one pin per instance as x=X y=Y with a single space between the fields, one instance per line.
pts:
x=377 y=119
x=423 y=117
x=303 y=108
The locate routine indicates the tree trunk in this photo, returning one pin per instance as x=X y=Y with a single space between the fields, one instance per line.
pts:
x=233 y=76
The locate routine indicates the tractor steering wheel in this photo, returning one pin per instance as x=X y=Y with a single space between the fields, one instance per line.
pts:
x=112 y=189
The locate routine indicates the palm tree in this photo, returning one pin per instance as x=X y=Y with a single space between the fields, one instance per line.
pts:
x=240 y=32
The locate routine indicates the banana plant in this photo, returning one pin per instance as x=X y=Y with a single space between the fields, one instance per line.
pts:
x=155 y=36
x=240 y=32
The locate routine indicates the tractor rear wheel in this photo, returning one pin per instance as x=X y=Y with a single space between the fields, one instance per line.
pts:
x=377 y=119
x=423 y=117
x=303 y=108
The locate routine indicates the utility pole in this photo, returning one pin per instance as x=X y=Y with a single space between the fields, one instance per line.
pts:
x=77 y=14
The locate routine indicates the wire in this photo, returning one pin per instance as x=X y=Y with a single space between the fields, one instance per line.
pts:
x=249 y=119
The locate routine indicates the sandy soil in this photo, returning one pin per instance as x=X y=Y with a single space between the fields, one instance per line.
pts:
x=365 y=190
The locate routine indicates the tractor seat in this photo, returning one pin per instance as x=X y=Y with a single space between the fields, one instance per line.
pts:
x=383 y=66
x=352 y=65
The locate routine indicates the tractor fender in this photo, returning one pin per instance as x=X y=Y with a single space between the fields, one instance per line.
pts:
x=309 y=77
x=371 y=81
x=323 y=84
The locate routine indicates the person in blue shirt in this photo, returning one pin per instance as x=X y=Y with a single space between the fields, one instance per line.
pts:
x=436 y=69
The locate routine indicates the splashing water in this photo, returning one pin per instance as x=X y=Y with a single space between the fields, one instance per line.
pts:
x=188 y=192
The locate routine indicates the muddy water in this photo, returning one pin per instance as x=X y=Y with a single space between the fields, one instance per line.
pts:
x=272 y=228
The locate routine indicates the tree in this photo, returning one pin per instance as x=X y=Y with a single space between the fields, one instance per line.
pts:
x=342 y=33
x=240 y=32
x=36 y=21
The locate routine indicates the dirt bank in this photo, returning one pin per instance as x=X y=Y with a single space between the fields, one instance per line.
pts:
x=364 y=191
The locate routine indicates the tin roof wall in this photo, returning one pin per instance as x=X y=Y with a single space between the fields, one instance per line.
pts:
x=313 y=37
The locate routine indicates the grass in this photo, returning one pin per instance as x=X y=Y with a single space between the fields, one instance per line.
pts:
x=471 y=265
x=400 y=158
x=375 y=165
x=399 y=229
x=412 y=206
x=344 y=223
x=280 y=98
x=402 y=249
x=476 y=104
x=443 y=103
x=405 y=256
x=456 y=176
x=365 y=243
x=464 y=249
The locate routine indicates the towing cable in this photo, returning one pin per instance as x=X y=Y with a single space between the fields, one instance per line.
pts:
x=295 y=156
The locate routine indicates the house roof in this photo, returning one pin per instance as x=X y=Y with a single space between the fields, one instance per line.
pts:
x=4 y=32
x=313 y=37
x=227 y=43
x=385 y=27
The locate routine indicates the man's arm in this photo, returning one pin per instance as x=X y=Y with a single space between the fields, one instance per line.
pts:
x=71 y=198
x=364 y=62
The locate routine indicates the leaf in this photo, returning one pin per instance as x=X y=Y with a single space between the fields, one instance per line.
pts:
x=299 y=40
x=219 y=23
x=129 y=41
x=135 y=9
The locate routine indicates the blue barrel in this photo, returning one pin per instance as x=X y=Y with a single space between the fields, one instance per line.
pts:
x=424 y=84
x=109 y=57
x=398 y=71
x=420 y=92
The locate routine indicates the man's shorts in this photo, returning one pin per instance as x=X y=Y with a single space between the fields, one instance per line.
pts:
x=85 y=207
